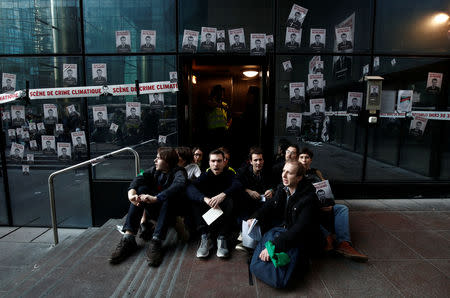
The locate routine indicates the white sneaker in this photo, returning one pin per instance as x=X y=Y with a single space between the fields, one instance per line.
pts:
x=205 y=246
x=222 y=249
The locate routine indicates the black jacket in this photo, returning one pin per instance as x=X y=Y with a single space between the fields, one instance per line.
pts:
x=250 y=181
x=300 y=217
x=164 y=185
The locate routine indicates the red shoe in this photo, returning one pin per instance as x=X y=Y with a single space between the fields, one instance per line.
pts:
x=329 y=245
x=348 y=251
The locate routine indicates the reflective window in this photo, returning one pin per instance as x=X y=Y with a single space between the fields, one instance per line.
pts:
x=420 y=30
x=39 y=27
x=318 y=26
x=117 y=26
x=3 y=211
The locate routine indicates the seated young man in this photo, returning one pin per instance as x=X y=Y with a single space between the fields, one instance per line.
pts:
x=155 y=192
x=294 y=206
x=338 y=211
x=291 y=154
x=186 y=161
x=214 y=188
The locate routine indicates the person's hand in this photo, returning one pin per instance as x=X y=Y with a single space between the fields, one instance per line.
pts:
x=148 y=199
x=207 y=201
x=253 y=194
x=268 y=194
x=134 y=199
x=216 y=200
x=264 y=255
x=250 y=221
x=327 y=209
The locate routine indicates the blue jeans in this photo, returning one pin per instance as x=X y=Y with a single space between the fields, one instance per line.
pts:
x=341 y=225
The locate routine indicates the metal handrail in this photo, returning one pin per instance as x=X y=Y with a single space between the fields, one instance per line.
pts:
x=93 y=161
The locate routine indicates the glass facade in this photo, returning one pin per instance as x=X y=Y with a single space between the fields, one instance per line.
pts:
x=312 y=68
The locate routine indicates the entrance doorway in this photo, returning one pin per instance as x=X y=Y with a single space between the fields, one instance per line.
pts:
x=225 y=103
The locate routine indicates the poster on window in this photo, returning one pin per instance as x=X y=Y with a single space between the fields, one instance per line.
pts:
x=220 y=47
x=417 y=126
x=30 y=158
x=19 y=132
x=434 y=82
x=208 y=39
x=26 y=135
x=32 y=127
x=317 y=105
x=293 y=124
x=50 y=114
x=404 y=101
x=133 y=112
x=257 y=44
x=6 y=116
x=354 y=102
x=148 y=40
x=79 y=141
x=64 y=151
x=293 y=38
x=113 y=128
x=123 y=41
x=317 y=39
x=11 y=133
x=99 y=74
x=156 y=101
x=344 y=39
x=296 y=16
x=297 y=92
x=100 y=115
x=33 y=145
x=41 y=127
x=26 y=170
x=315 y=85
x=18 y=115
x=312 y=64
x=8 y=82
x=269 y=42
x=287 y=66
x=376 y=63
x=59 y=129
x=220 y=36
x=48 y=144
x=69 y=75
x=71 y=110
x=173 y=75
x=317 y=67
x=365 y=70
x=342 y=68
x=237 y=39
x=190 y=41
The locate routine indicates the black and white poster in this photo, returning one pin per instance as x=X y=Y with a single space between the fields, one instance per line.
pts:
x=50 y=114
x=64 y=151
x=315 y=85
x=365 y=70
x=173 y=75
x=30 y=158
x=269 y=42
x=287 y=66
x=133 y=112
x=33 y=145
x=41 y=127
x=156 y=101
x=8 y=82
x=434 y=82
x=376 y=63
x=404 y=101
x=354 y=102
x=59 y=129
x=237 y=39
x=208 y=39
x=324 y=193
x=220 y=47
x=113 y=128
x=417 y=126
x=148 y=41
x=344 y=39
x=16 y=152
x=32 y=127
x=317 y=39
x=257 y=44
x=293 y=38
x=26 y=170
x=293 y=124
x=296 y=16
x=190 y=41
x=18 y=116
x=6 y=116
x=100 y=115
x=69 y=75
x=99 y=74
x=313 y=64
x=123 y=41
x=26 y=135
x=297 y=93
x=79 y=142
x=220 y=36
x=19 y=132
x=48 y=145
x=71 y=110
x=11 y=133
x=317 y=67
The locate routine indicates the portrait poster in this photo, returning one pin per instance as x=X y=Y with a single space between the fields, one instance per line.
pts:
x=297 y=92
x=220 y=47
x=317 y=105
x=257 y=44
x=100 y=115
x=59 y=128
x=220 y=36
x=48 y=144
x=376 y=63
x=287 y=66
x=208 y=39
x=26 y=170
x=18 y=115
x=71 y=109
x=148 y=41
x=64 y=151
x=293 y=38
x=323 y=190
x=19 y=132
x=365 y=70
x=133 y=112
x=417 y=126
x=315 y=85
x=354 y=102
x=8 y=82
x=404 y=101
x=173 y=75
x=317 y=39
x=12 y=133
x=6 y=116
x=156 y=101
x=30 y=158
x=123 y=41
x=269 y=42
x=236 y=39
x=344 y=39
x=79 y=141
x=434 y=82
x=312 y=64
x=190 y=41
x=99 y=74
x=40 y=127
x=293 y=124
x=69 y=75
x=32 y=127
x=50 y=114
x=113 y=128
x=25 y=135
x=33 y=145
x=296 y=16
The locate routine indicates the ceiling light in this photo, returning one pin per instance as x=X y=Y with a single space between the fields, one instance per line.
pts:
x=250 y=73
x=440 y=18
x=194 y=80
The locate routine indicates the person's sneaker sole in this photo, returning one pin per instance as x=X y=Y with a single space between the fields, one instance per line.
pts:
x=361 y=259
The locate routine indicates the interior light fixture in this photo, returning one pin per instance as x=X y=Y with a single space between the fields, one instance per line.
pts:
x=250 y=73
x=440 y=18
x=194 y=80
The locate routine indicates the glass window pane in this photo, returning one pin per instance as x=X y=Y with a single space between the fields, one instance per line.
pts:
x=39 y=27
x=3 y=211
x=417 y=31
x=353 y=17
x=104 y=20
